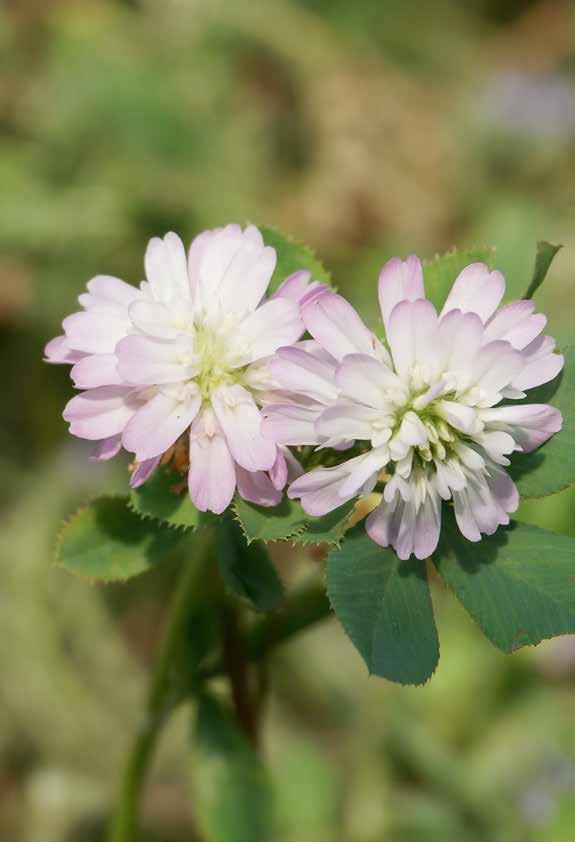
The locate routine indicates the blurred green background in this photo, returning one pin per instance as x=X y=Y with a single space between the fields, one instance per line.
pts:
x=366 y=129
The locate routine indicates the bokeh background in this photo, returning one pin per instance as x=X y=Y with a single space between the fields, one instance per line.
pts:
x=366 y=129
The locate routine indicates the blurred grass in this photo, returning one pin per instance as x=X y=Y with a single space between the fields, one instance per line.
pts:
x=366 y=130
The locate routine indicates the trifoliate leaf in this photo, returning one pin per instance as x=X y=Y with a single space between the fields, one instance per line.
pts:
x=440 y=273
x=385 y=607
x=518 y=585
x=233 y=798
x=106 y=540
x=270 y=524
x=163 y=498
x=291 y=257
x=247 y=569
x=551 y=468
x=543 y=260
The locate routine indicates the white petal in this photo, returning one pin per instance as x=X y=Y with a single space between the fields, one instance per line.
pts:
x=411 y=335
x=368 y=381
x=58 y=350
x=288 y=423
x=275 y=323
x=530 y=424
x=345 y=421
x=167 y=269
x=296 y=370
x=159 y=321
x=107 y=290
x=463 y=418
x=334 y=323
x=539 y=371
x=476 y=290
x=101 y=413
x=399 y=281
x=212 y=474
x=144 y=360
x=515 y=323
x=240 y=420
x=319 y=490
x=365 y=469
x=95 y=332
x=157 y=425
x=96 y=370
x=496 y=366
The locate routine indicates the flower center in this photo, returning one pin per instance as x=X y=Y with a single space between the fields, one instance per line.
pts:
x=215 y=363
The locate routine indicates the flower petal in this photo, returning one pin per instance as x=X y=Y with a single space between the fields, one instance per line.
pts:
x=476 y=290
x=240 y=420
x=101 y=413
x=167 y=269
x=147 y=361
x=144 y=471
x=58 y=350
x=95 y=332
x=399 y=281
x=295 y=370
x=96 y=370
x=368 y=381
x=212 y=475
x=275 y=323
x=157 y=425
x=257 y=487
x=334 y=323
x=288 y=423
x=530 y=424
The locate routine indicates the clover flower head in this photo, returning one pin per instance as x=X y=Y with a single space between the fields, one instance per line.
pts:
x=434 y=411
x=180 y=362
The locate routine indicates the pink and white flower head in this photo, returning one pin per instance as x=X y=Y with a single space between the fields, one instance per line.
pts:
x=427 y=406
x=184 y=355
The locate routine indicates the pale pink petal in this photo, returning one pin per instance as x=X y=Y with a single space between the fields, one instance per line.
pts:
x=234 y=270
x=159 y=321
x=530 y=424
x=275 y=323
x=58 y=350
x=540 y=371
x=107 y=449
x=399 y=281
x=345 y=421
x=144 y=471
x=411 y=335
x=476 y=290
x=240 y=420
x=516 y=323
x=167 y=269
x=107 y=290
x=95 y=332
x=427 y=526
x=279 y=470
x=288 y=423
x=212 y=475
x=366 y=469
x=496 y=366
x=334 y=323
x=321 y=490
x=257 y=487
x=147 y=361
x=295 y=286
x=102 y=412
x=294 y=468
x=157 y=425
x=298 y=371
x=96 y=370
x=367 y=380
x=459 y=338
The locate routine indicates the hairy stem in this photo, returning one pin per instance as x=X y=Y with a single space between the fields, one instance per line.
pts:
x=162 y=699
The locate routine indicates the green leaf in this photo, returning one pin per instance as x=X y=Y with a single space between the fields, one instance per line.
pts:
x=518 y=585
x=233 y=798
x=440 y=272
x=106 y=540
x=384 y=605
x=543 y=260
x=158 y=499
x=551 y=468
x=292 y=256
x=246 y=568
x=270 y=524
x=328 y=529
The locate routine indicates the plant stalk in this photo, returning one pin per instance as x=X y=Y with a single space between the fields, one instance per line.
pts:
x=161 y=699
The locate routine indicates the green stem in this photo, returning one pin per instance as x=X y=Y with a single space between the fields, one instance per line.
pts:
x=306 y=606
x=161 y=699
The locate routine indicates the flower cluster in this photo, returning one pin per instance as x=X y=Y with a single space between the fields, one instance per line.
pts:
x=196 y=360
x=182 y=356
